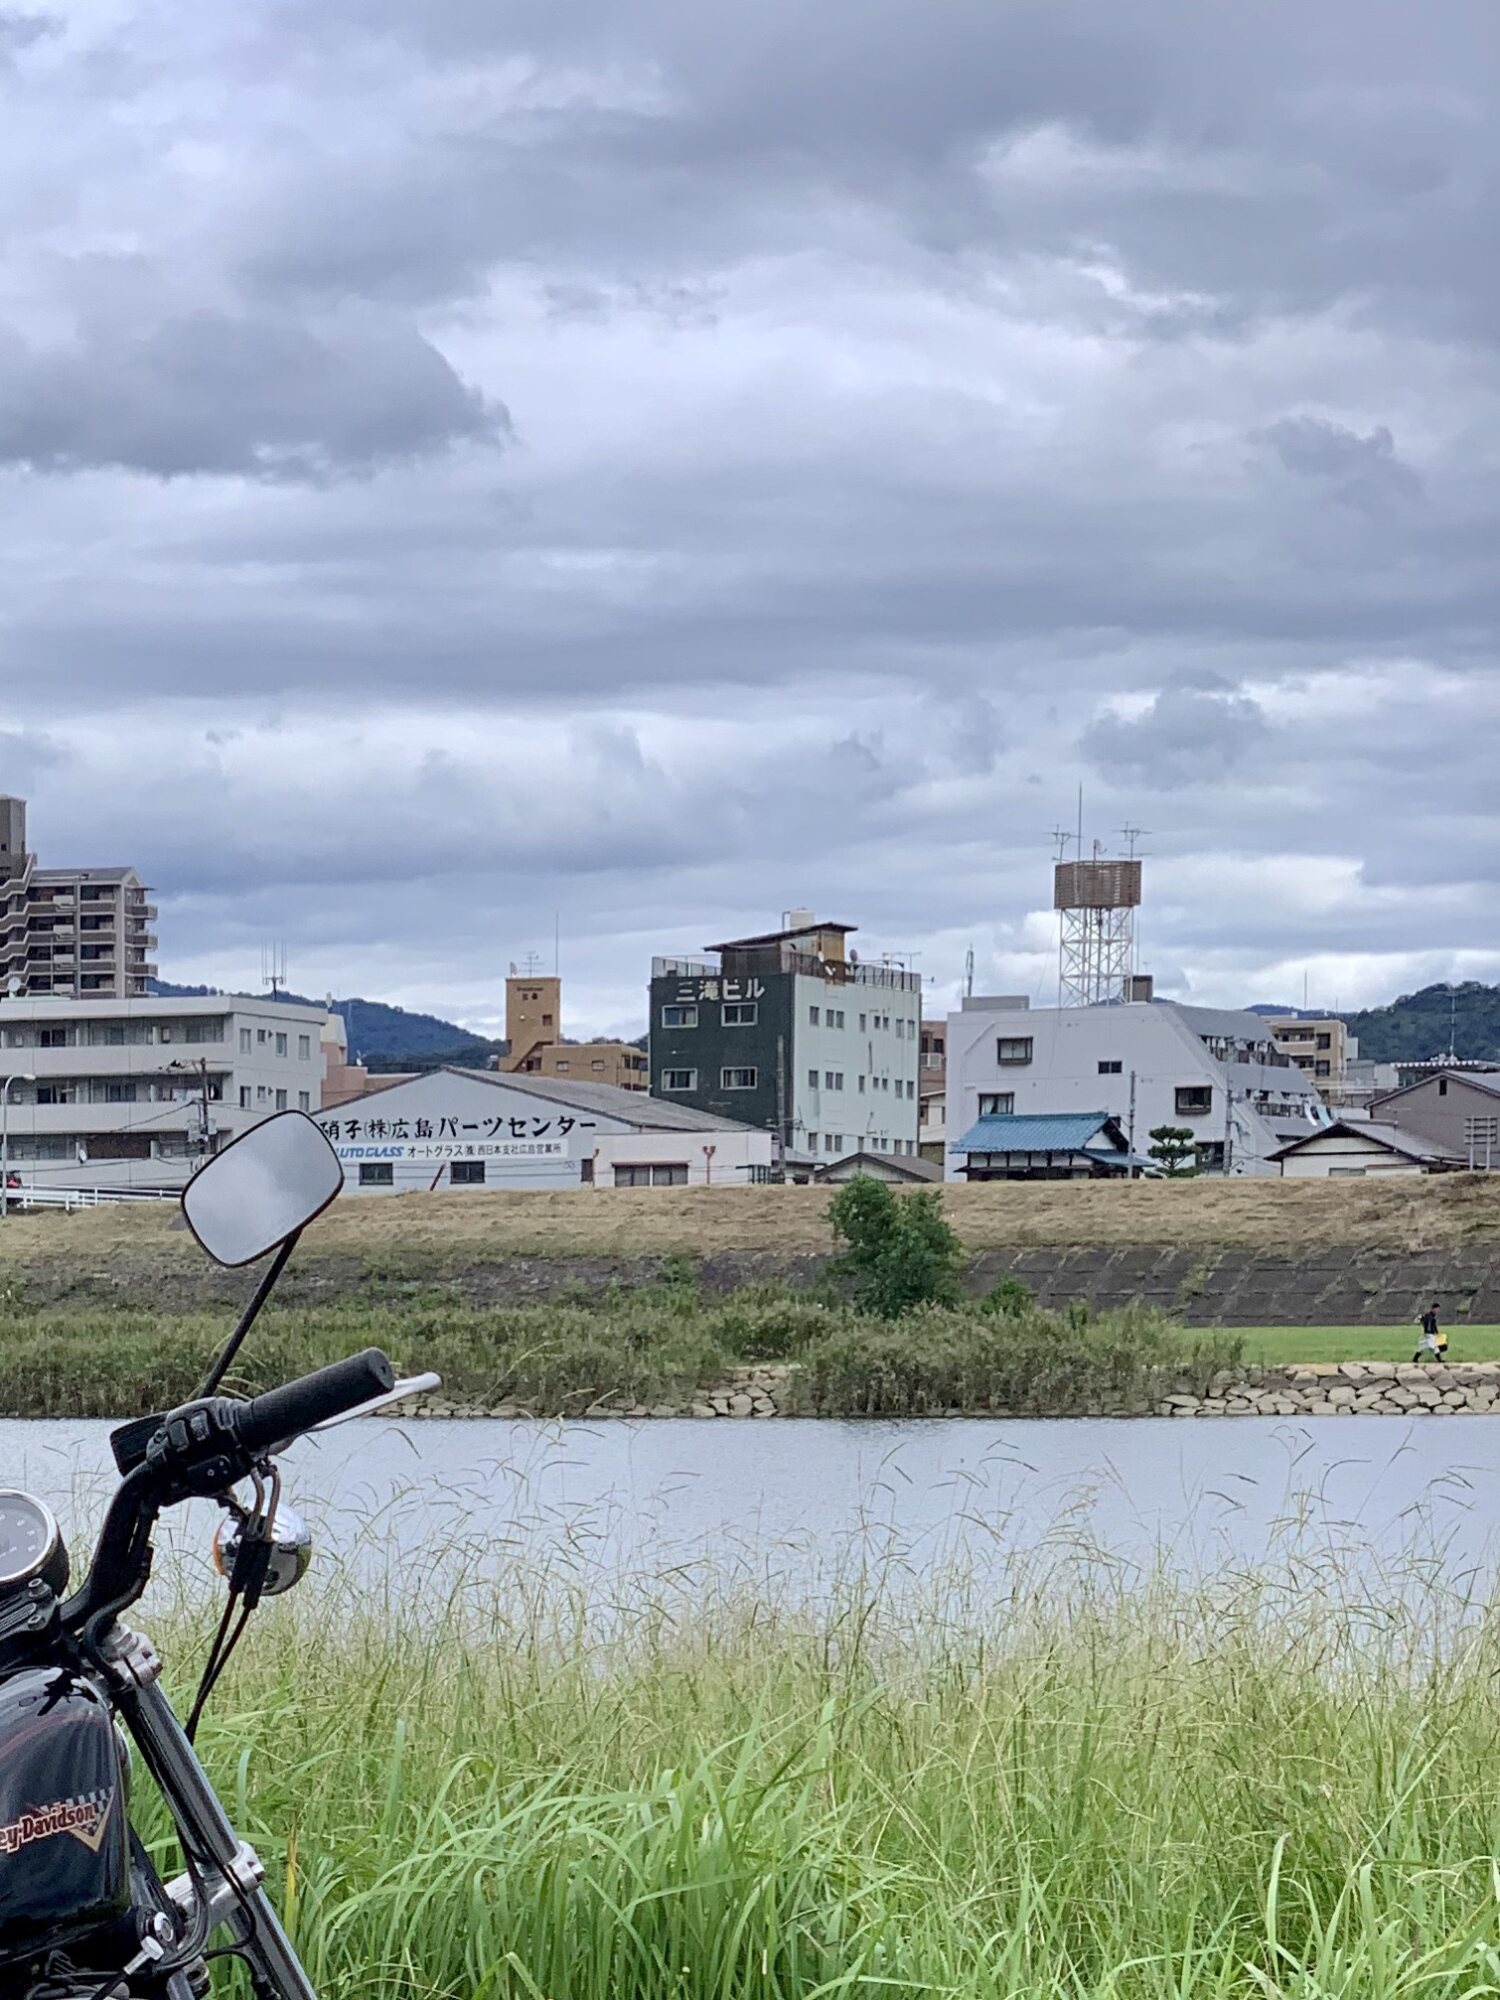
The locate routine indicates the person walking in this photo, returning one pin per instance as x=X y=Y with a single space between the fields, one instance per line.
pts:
x=1434 y=1341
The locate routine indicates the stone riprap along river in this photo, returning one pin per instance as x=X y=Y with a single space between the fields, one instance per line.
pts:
x=1309 y=1389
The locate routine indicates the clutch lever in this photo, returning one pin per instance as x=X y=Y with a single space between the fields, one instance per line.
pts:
x=412 y=1385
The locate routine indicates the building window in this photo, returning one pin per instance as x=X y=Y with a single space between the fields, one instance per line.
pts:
x=117 y=1093
x=261 y=1036
x=1442 y=1086
x=281 y=1045
x=674 y=1174
x=304 y=1100
x=1111 y=1068
x=1323 y=1069
x=377 y=1173
x=586 y=1172
x=862 y=1024
x=244 y=1097
x=54 y=1093
x=547 y=1021
x=679 y=1079
x=812 y=1142
x=861 y=1086
x=911 y=1087
x=52 y=1038
x=466 y=1173
x=833 y=1142
x=245 y=1043
x=996 y=1103
x=281 y=1100
x=738 y=1079
x=741 y=1013
x=304 y=1048
x=1194 y=1099
x=900 y=1029
x=262 y=1095
x=833 y=1079
x=560 y=1066
x=812 y=1079
x=1325 y=1041
x=1013 y=1050
x=676 y=1016
x=812 y=1017
x=835 y=1017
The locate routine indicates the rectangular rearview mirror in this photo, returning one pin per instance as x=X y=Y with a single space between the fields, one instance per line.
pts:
x=268 y=1184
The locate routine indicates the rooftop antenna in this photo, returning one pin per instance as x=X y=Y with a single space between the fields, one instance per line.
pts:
x=530 y=967
x=969 y=973
x=273 y=968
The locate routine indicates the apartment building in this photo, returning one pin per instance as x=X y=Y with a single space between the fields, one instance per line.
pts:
x=1144 y=1064
x=533 y=1035
x=84 y=933
x=1321 y=1047
x=788 y=1031
x=137 y=1093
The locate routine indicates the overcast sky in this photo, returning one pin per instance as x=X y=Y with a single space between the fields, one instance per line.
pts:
x=664 y=463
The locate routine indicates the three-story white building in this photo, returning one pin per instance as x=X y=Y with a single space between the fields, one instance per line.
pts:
x=137 y=1093
x=1213 y=1072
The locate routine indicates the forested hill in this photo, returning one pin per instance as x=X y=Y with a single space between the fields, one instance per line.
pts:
x=383 y=1037
x=1420 y=1025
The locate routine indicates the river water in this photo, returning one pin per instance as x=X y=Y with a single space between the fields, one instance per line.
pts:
x=791 y=1505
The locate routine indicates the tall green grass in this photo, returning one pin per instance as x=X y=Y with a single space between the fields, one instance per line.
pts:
x=1091 y=1786
x=654 y=1346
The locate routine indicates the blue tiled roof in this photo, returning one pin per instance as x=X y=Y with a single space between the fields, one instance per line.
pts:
x=1044 y=1132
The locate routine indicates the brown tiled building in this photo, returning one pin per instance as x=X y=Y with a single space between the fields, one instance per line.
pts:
x=533 y=1033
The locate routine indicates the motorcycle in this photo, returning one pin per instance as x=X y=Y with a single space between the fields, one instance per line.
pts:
x=84 y=1914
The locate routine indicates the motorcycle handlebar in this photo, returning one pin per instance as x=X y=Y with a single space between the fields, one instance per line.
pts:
x=284 y=1413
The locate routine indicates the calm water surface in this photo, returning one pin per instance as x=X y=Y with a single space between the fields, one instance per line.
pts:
x=798 y=1502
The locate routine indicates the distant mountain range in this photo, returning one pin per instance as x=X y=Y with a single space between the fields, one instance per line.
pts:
x=382 y=1038
x=1424 y=1024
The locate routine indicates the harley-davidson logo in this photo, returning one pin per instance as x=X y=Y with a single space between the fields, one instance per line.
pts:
x=85 y=1819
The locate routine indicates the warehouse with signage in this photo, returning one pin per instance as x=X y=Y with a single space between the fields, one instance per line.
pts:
x=470 y=1128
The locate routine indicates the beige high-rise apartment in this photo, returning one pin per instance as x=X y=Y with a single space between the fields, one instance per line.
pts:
x=82 y=933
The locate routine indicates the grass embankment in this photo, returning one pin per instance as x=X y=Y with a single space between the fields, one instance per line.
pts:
x=420 y=1234
x=1278 y=1346
x=1096 y=1792
x=641 y=1347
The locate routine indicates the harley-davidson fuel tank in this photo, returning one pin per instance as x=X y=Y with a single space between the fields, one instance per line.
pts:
x=64 y=1838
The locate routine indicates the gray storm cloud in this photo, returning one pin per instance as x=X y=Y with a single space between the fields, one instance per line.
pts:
x=671 y=462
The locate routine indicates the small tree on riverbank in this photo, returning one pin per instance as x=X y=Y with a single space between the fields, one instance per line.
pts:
x=901 y=1250
x=1172 y=1147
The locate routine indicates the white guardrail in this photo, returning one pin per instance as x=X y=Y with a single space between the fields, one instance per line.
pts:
x=23 y=1198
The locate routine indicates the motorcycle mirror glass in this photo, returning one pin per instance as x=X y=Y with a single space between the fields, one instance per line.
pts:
x=271 y=1182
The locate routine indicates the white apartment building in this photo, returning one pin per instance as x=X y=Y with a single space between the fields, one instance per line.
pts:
x=1213 y=1071
x=137 y=1093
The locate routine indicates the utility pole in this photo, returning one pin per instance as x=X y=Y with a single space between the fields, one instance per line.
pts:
x=25 y=1076
x=1228 y=1128
x=1130 y=1127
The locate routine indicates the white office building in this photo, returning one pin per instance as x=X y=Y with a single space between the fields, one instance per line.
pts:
x=137 y=1093
x=1214 y=1072
x=471 y=1128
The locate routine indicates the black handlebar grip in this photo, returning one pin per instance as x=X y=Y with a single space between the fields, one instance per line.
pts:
x=299 y=1406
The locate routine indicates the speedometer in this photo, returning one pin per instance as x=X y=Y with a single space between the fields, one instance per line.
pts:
x=30 y=1544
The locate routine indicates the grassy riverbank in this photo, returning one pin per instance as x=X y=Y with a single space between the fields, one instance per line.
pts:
x=644 y=1347
x=1098 y=1791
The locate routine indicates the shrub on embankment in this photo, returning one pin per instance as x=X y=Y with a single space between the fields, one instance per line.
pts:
x=653 y=1348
